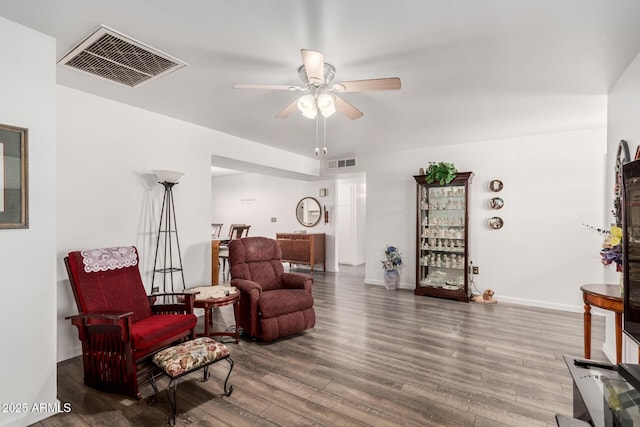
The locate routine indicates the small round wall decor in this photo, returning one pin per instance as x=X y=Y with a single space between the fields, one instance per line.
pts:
x=496 y=203
x=496 y=223
x=495 y=185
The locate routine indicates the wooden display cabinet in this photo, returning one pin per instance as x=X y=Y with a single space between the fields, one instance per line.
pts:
x=442 y=256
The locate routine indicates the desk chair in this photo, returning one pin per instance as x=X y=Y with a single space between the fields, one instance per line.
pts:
x=236 y=231
x=215 y=230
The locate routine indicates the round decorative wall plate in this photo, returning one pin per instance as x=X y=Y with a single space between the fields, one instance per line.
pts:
x=496 y=223
x=495 y=185
x=496 y=203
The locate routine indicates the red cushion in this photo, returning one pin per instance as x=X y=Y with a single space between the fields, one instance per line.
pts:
x=120 y=289
x=154 y=329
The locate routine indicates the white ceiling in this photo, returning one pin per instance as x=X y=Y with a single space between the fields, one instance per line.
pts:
x=471 y=69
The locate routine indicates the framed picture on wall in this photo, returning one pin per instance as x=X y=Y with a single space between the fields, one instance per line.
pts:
x=13 y=177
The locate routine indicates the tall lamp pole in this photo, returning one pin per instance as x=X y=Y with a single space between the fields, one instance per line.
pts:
x=167 y=236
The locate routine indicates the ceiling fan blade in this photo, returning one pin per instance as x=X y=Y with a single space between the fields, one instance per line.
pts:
x=314 y=65
x=390 y=83
x=268 y=87
x=288 y=110
x=347 y=109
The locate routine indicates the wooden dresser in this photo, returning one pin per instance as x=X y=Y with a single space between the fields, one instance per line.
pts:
x=302 y=248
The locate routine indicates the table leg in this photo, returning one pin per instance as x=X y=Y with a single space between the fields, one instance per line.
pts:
x=236 y=315
x=207 y=321
x=587 y=331
x=618 y=337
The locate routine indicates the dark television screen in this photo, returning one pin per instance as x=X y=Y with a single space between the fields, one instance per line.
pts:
x=631 y=248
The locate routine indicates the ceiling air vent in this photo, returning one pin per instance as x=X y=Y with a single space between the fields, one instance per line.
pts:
x=341 y=163
x=116 y=57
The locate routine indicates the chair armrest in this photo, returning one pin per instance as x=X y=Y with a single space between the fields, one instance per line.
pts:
x=115 y=315
x=246 y=286
x=115 y=322
x=297 y=281
x=184 y=303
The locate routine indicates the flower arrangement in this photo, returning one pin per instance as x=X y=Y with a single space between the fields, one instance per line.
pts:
x=612 y=248
x=392 y=259
x=611 y=251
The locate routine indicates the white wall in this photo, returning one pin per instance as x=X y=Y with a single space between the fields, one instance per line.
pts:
x=107 y=195
x=27 y=308
x=254 y=199
x=623 y=123
x=552 y=185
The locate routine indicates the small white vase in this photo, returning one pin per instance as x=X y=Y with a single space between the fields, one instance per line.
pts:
x=391 y=279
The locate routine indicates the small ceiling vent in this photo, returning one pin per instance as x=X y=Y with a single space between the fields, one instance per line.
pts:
x=116 y=57
x=341 y=163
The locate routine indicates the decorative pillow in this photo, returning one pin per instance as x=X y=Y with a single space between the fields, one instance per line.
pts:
x=189 y=356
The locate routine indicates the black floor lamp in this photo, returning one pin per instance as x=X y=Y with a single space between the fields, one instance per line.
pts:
x=167 y=243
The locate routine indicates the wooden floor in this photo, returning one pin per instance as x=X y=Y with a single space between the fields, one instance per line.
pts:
x=375 y=358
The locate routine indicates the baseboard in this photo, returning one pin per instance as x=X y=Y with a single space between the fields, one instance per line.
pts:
x=510 y=300
x=70 y=353
x=542 y=304
x=381 y=283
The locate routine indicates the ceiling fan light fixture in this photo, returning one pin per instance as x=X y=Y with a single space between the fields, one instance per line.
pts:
x=326 y=105
x=316 y=76
x=307 y=105
x=310 y=114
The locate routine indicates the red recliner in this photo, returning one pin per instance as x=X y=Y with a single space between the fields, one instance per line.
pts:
x=273 y=304
x=121 y=327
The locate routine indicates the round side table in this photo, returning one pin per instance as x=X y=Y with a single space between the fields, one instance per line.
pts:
x=208 y=303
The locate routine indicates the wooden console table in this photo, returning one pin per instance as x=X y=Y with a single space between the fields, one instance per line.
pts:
x=299 y=248
x=606 y=297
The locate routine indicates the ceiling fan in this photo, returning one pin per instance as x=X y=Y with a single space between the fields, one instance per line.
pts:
x=316 y=76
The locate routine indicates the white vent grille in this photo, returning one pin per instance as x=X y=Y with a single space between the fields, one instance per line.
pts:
x=342 y=163
x=116 y=57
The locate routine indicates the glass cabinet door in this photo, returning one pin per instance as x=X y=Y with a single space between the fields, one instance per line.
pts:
x=442 y=239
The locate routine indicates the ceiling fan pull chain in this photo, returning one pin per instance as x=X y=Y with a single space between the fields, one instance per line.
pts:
x=324 y=135
x=317 y=150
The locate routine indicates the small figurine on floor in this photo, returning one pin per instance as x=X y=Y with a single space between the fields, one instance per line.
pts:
x=487 y=296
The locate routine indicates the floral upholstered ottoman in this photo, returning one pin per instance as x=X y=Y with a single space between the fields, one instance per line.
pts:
x=187 y=357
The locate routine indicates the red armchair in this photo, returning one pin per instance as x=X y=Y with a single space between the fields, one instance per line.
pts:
x=121 y=327
x=273 y=304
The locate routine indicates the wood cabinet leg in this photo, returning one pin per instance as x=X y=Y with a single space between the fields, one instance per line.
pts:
x=587 y=331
